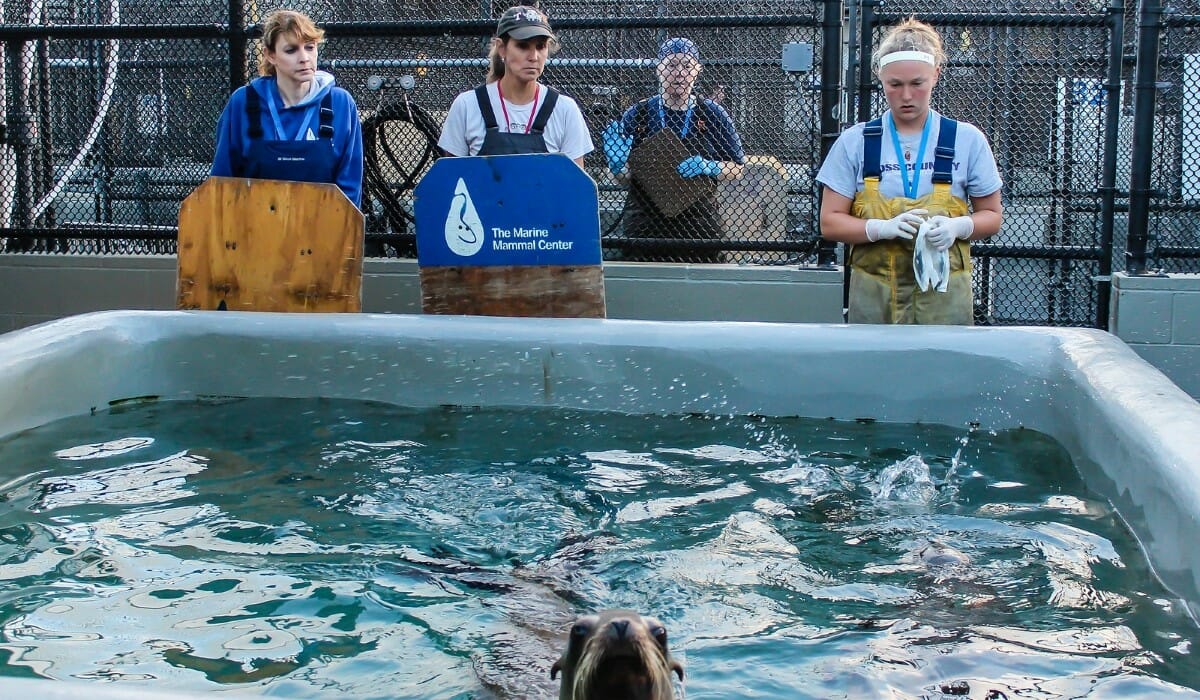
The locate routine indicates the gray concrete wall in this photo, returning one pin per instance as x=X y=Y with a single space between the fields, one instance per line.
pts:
x=39 y=288
x=1159 y=317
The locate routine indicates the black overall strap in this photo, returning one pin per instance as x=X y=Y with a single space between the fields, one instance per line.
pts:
x=641 y=118
x=543 y=115
x=326 y=120
x=872 y=143
x=943 y=155
x=485 y=107
x=253 y=113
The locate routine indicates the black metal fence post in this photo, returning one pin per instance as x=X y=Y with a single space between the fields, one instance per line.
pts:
x=237 y=44
x=45 y=128
x=1108 y=175
x=831 y=101
x=21 y=133
x=866 y=42
x=868 y=18
x=1145 y=93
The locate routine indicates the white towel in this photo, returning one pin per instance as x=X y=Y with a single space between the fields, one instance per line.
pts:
x=930 y=265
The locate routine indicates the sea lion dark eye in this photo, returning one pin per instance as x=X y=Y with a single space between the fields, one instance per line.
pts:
x=579 y=630
x=660 y=634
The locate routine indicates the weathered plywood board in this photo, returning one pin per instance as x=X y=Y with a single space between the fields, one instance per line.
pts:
x=654 y=165
x=269 y=245
x=538 y=291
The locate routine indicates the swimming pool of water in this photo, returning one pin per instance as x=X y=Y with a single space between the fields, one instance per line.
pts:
x=305 y=547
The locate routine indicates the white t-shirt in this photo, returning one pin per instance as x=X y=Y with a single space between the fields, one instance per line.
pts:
x=565 y=132
x=974 y=171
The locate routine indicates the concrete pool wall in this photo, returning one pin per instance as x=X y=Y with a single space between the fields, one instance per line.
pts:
x=1159 y=317
x=1133 y=434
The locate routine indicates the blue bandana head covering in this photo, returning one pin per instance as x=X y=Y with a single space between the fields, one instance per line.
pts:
x=678 y=45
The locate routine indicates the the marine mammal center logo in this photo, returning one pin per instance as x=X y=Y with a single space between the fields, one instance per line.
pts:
x=464 y=230
x=513 y=211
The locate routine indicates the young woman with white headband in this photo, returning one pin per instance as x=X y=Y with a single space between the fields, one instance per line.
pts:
x=906 y=175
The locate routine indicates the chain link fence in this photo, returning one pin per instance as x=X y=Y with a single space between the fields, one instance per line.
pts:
x=111 y=109
x=1032 y=78
x=1174 y=229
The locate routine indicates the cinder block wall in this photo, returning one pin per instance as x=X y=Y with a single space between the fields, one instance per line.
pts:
x=1159 y=317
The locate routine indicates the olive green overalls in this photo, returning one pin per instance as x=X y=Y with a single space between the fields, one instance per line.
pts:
x=883 y=288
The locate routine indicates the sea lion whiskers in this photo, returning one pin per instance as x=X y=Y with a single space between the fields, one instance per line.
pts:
x=617 y=654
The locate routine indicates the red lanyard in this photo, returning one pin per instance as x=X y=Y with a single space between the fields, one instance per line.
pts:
x=537 y=88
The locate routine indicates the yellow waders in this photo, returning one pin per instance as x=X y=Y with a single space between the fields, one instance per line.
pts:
x=883 y=288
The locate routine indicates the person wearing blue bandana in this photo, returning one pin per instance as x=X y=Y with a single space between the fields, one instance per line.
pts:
x=707 y=132
x=292 y=122
x=908 y=191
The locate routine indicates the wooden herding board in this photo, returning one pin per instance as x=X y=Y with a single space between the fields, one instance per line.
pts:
x=551 y=291
x=654 y=165
x=513 y=235
x=269 y=245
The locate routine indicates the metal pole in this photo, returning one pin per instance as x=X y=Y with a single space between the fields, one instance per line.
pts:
x=45 y=127
x=237 y=44
x=866 y=81
x=1108 y=175
x=1145 y=93
x=831 y=100
x=1060 y=182
x=102 y=159
x=866 y=90
x=21 y=133
x=853 y=56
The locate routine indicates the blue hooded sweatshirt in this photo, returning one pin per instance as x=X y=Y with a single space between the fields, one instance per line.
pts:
x=233 y=136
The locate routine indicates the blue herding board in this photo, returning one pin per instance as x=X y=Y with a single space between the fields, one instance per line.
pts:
x=507 y=211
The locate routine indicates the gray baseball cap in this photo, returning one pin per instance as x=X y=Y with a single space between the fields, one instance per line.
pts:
x=524 y=22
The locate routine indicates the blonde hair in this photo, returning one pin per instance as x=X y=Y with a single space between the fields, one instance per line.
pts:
x=496 y=62
x=910 y=35
x=282 y=23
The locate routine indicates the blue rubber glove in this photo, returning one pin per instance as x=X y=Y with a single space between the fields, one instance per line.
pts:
x=697 y=166
x=617 y=145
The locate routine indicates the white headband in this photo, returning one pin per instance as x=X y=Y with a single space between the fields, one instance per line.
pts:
x=907 y=56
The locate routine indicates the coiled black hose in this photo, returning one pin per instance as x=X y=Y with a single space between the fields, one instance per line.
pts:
x=389 y=172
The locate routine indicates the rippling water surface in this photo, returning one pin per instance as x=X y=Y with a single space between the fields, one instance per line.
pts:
x=306 y=548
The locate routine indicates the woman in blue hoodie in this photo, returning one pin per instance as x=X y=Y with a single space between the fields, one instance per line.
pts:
x=291 y=123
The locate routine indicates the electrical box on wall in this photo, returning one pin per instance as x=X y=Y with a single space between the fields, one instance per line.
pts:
x=797 y=57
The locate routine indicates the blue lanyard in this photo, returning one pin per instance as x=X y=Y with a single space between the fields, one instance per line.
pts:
x=279 y=134
x=687 y=118
x=910 y=188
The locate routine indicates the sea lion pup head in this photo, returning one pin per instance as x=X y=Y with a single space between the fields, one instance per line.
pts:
x=617 y=655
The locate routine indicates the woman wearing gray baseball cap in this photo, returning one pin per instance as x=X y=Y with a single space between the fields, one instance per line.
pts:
x=513 y=113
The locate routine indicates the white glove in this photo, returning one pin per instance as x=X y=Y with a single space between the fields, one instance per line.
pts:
x=931 y=266
x=945 y=230
x=902 y=225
